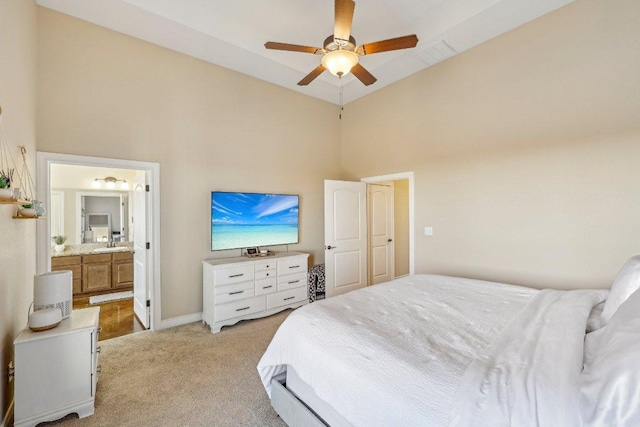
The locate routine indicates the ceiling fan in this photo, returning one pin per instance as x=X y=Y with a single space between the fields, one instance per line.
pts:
x=340 y=51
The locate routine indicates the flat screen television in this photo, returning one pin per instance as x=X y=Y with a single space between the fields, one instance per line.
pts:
x=244 y=220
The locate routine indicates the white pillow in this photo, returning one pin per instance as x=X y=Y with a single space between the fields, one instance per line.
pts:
x=594 y=321
x=626 y=283
x=610 y=388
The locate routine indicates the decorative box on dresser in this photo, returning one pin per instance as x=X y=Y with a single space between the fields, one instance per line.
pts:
x=56 y=371
x=242 y=288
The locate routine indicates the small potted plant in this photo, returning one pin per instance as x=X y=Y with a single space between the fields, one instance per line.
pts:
x=5 y=191
x=59 y=241
x=27 y=210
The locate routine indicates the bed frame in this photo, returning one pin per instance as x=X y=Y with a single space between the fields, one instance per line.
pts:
x=298 y=405
x=291 y=409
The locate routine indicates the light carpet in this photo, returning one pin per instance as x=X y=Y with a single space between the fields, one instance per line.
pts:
x=184 y=376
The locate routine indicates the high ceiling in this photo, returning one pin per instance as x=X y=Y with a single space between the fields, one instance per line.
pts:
x=232 y=33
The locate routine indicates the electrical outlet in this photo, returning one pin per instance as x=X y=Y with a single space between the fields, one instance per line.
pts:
x=10 y=371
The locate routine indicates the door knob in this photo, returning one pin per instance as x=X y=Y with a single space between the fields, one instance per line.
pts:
x=390 y=240
x=330 y=247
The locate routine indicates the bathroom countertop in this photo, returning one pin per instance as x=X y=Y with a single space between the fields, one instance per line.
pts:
x=88 y=249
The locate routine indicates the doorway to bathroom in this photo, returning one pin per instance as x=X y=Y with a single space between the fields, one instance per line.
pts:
x=107 y=212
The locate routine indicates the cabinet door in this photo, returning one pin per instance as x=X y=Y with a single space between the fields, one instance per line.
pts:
x=52 y=374
x=96 y=277
x=122 y=274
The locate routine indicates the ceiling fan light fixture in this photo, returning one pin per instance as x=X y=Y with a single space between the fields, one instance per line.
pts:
x=339 y=62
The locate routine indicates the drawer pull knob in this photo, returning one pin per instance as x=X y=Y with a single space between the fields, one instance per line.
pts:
x=294 y=266
x=267 y=287
x=293 y=281
x=236 y=275
x=243 y=308
x=289 y=298
x=235 y=293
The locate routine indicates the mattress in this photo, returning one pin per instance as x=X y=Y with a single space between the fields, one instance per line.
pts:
x=401 y=352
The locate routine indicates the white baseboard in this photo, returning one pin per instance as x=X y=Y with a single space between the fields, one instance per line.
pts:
x=8 y=417
x=182 y=320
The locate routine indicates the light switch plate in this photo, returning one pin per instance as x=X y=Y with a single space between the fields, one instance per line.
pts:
x=428 y=231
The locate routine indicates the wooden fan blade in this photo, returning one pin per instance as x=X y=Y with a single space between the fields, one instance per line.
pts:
x=363 y=75
x=343 y=18
x=387 y=45
x=312 y=75
x=292 y=47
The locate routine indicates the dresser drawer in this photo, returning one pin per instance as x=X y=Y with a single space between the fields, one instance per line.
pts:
x=235 y=292
x=65 y=260
x=265 y=274
x=265 y=266
x=239 y=308
x=266 y=286
x=76 y=270
x=122 y=256
x=86 y=259
x=226 y=276
x=292 y=281
x=292 y=266
x=287 y=297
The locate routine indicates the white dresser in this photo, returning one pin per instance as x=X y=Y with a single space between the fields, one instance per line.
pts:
x=241 y=288
x=56 y=371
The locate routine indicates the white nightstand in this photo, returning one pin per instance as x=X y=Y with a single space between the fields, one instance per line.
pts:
x=56 y=371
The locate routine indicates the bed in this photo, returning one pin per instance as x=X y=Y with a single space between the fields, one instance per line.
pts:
x=438 y=350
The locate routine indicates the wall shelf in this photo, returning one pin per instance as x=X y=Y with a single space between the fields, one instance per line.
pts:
x=29 y=217
x=13 y=202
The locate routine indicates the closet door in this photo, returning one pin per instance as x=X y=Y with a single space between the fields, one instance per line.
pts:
x=381 y=246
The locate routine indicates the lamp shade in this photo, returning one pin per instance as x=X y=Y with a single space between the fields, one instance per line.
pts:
x=339 y=62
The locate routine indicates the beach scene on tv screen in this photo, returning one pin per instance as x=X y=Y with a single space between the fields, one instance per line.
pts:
x=241 y=220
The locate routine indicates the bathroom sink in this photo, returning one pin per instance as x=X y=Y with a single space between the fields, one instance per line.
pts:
x=117 y=249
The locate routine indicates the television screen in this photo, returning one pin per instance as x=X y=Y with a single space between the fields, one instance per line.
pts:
x=242 y=220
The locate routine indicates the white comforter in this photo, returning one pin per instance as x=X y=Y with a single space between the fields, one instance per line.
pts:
x=401 y=353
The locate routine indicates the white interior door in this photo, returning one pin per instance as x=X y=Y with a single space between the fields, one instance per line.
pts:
x=381 y=247
x=56 y=213
x=141 y=278
x=345 y=236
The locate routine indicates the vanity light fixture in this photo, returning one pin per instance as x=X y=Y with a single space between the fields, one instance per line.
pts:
x=110 y=183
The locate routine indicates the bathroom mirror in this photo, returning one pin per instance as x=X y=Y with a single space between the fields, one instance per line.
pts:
x=101 y=217
x=74 y=193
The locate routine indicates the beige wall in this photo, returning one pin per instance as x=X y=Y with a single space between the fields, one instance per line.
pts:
x=104 y=94
x=525 y=150
x=401 y=226
x=17 y=238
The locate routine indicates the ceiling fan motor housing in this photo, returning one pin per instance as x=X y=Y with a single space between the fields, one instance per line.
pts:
x=330 y=44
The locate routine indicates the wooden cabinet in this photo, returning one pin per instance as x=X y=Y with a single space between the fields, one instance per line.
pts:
x=241 y=288
x=73 y=263
x=122 y=270
x=56 y=371
x=97 y=273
